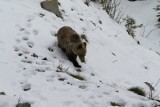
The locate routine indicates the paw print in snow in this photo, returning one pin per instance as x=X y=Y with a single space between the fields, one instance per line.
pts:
x=26 y=87
x=30 y=44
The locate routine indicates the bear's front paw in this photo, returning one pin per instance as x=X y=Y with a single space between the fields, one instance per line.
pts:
x=77 y=66
x=75 y=63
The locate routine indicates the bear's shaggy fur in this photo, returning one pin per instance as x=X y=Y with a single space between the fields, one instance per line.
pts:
x=70 y=42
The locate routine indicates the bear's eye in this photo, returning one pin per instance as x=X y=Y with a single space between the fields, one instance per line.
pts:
x=79 y=46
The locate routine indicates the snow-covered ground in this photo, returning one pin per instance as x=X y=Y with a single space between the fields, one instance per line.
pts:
x=143 y=12
x=29 y=58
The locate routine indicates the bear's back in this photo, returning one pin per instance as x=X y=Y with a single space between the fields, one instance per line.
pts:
x=67 y=34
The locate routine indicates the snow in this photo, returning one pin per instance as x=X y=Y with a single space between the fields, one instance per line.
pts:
x=143 y=12
x=29 y=58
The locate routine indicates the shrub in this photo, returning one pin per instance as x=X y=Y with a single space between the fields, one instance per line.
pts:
x=86 y=2
x=77 y=76
x=157 y=8
x=23 y=105
x=61 y=69
x=2 y=93
x=111 y=7
x=113 y=10
x=138 y=91
x=132 y=0
x=116 y=104
x=130 y=24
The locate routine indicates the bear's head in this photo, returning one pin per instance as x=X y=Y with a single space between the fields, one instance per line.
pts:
x=80 y=50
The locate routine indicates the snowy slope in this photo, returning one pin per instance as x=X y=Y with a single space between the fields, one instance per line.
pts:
x=143 y=13
x=29 y=58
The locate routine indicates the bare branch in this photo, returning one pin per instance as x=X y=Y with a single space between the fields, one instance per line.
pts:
x=151 y=32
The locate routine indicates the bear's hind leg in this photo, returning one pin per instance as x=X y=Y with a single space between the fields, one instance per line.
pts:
x=59 y=45
x=63 y=49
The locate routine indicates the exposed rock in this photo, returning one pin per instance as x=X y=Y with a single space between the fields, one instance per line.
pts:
x=51 y=6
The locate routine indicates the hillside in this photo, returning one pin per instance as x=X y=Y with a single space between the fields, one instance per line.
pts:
x=30 y=58
x=143 y=12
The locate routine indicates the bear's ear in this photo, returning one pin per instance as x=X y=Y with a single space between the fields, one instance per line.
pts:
x=79 y=46
x=85 y=44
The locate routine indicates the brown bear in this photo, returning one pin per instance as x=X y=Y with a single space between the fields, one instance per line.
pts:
x=73 y=45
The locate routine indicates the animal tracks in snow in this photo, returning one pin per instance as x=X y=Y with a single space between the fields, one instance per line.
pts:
x=26 y=87
x=38 y=63
x=30 y=44
x=33 y=64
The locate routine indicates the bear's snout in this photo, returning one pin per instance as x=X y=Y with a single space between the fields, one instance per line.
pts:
x=82 y=58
